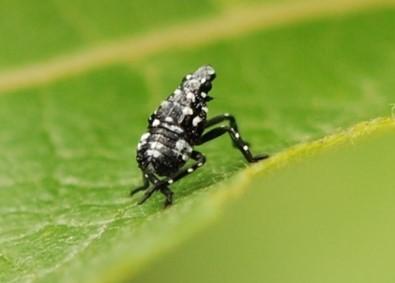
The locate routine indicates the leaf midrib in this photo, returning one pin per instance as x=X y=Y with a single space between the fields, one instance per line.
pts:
x=232 y=22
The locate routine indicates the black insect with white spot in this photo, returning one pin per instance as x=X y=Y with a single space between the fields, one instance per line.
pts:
x=175 y=128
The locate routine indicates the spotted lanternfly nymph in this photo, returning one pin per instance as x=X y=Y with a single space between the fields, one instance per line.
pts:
x=175 y=128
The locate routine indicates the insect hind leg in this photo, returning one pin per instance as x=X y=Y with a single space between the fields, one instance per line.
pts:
x=221 y=118
x=232 y=123
x=238 y=142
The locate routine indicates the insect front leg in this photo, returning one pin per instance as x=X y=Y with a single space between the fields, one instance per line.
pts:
x=238 y=142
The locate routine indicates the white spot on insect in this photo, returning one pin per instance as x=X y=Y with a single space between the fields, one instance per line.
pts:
x=141 y=143
x=170 y=181
x=154 y=153
x=173 y=128
x=187 y=110
x=181 y=144
x=191 y=96
x=203 y=94
x=182 y=147
x=164 y=104
x=178 y=91
x=156 y=145
x=196 y=121
x=200 y=164
x=189 y=76
x=169 y=119
x=203 y=80
x=145 y=136
x=155 y=123
x=190 y=170
x=146 y=175
x=226 y=114
x=237 y=135
x=245 y=148
x=205 y=109
x=193 y=84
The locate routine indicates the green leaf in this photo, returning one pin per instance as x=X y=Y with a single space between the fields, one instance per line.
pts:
x=73 y=105
x=326 y=218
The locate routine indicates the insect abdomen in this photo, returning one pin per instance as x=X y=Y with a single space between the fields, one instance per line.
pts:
x=162 y=151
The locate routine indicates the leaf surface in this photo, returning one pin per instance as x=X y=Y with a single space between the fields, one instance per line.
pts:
x=68 y=140
x=324 y=218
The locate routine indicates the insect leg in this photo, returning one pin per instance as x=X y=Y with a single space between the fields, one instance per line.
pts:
x=163 y=184
x=200 y=160
x=237 y=141
x=220 y=118
x=225 y=117
x=142 y=187
x=148 y=193
x=168 y=194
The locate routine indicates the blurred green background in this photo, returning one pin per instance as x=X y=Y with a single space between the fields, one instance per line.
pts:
x=78 y=80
